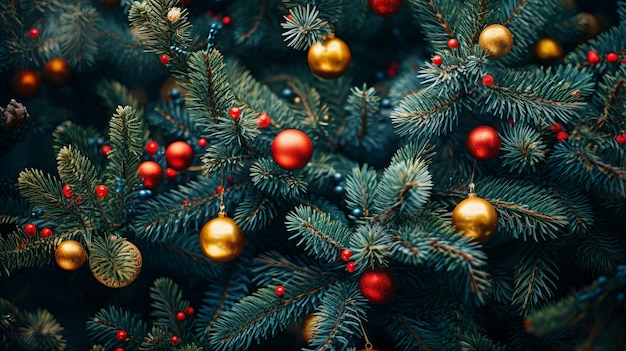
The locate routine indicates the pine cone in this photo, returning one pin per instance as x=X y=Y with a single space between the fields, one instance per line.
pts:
x=13 y=117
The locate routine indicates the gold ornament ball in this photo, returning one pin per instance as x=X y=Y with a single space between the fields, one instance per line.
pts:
x=329 y=59
x=221 y=239
x=57 y=72
x=70 y=255
x=475 y=218
x=496 y=39
x=26 y=84
x=547 y=50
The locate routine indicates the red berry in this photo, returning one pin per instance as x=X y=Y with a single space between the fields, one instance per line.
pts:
x=234 y=112
x=180 y=316
x=437 y=60
x=175 y=340
x=119 y=349
x=346 y=254
x=34 y=33
x=171 y=173
x=623 y=61
x=190 y=310
x=264 y=120
x=202 y=142
x=226 y=20
x=68 y=192
x=453 y=44
x=164 y=58
x=220 y=189
x=229 y=179
x=392 y=72
x=487 y=79
x=280 y=290
x=152 y=147
x=562 y=136
x=46 y=232
x=105 y=149
x=350 y=266
x=30 y=229
x=78 y=200
x=593 y=57
x=101 y=191
x=121 y=335
x=185 y=202
x=555 y=128
x=612 y=57
x=621 y=138
x=394 y=65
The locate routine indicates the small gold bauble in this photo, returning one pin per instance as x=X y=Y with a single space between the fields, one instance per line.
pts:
x=547 y=50
x=329 y=59
x=57 y=72
x=70 y=255
x=475 y=218
x=496 y=39
x=221 y=239
x=104 y=267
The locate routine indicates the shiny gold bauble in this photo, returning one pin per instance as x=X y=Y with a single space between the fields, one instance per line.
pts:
x=547 y=50
x=70 y=255
x=26 y=84
x=329 y=59
x=475 y=218
x=496 y=39
x=221 y=239
x=117 y=275
x=57 y=72
x=169 y=84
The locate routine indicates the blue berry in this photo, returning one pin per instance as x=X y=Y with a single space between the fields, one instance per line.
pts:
x=602 y=280
x=380 y=75
x=357 y=212
x=144 y=193
x=338 y=177
x=174 y=94
x=385 y=103
x=287 y=93
x=339 y=189
x=621 y=297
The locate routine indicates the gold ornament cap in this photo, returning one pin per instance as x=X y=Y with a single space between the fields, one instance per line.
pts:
x=496 y=39
x=221 y=239
x=70 y=255
x=475 y=218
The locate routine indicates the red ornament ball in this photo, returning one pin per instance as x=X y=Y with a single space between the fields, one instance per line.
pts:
x=190 y=310
x=562 y=136
x=377 y=285
x=102 y=191
x=483 y=143
x=437 y=60
x=57 y=72
x=121 y=335
x=612 y=57
x=68 y=192
x=280 y=290
x=292 y=149
x=30 y=229
x=264 y=120
x=621 y=138
x=385 y=8
x=350 y=266
x=487 y=79
x=175 y=340
x=453 y=44
x=226 y=20
x=164 y=58
x=33 y=33
x=26 y=84
x=234 y=113
x=152 y=147
x=151 y=173
x=46 y=232
x=180 y=316
x=179 y=155
x=593 y=57
x=345 y=255
x=202 y=142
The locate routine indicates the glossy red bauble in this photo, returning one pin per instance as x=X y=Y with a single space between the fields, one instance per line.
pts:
x=46 y=232
x=263 y=120
x=385 y=8
x=30 y=229
x=280 y=290
x=179 y=155
x=377 y=285
x=151 y=173
x=121 y=335
x=483 y=143
x=292 y=149
x=68 y=192
x=102 y=191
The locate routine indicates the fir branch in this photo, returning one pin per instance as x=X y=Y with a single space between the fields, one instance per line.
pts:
x=105 y=324
x=411 y=240
x=81 y=138
x=167 y=301
x=363 y=102
x=256 y=211
x=580 y=215
x=78 y=33
x=369 y=244
x=430 y=14
x=222 y=159
x=114 y=93
x=304 y=27
x=271 y=179
x=19 y=252
x=524 y=149
x=404 y=186
x=475 y=16
x=338 y=317
x=536 y=273
x=410 y=332
x=361 y=184
x=322 y=236
x=40 y=330
x=273 y=266
x=174 y=121
x=596 y=252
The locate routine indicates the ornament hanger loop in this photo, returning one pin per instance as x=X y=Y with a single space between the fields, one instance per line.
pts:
x=368 y=344
x=471 y=184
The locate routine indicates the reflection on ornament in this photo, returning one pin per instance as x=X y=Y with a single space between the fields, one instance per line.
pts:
x=475 y=218
x=496 y=39
x=221 y=239
x=70 y=255
x=329 y=59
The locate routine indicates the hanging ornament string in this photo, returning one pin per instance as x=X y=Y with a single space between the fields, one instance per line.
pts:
x=368 y=344
x=222 y=212
x=471 y=184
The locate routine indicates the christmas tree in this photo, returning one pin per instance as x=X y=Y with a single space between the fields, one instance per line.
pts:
x=316 y=175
